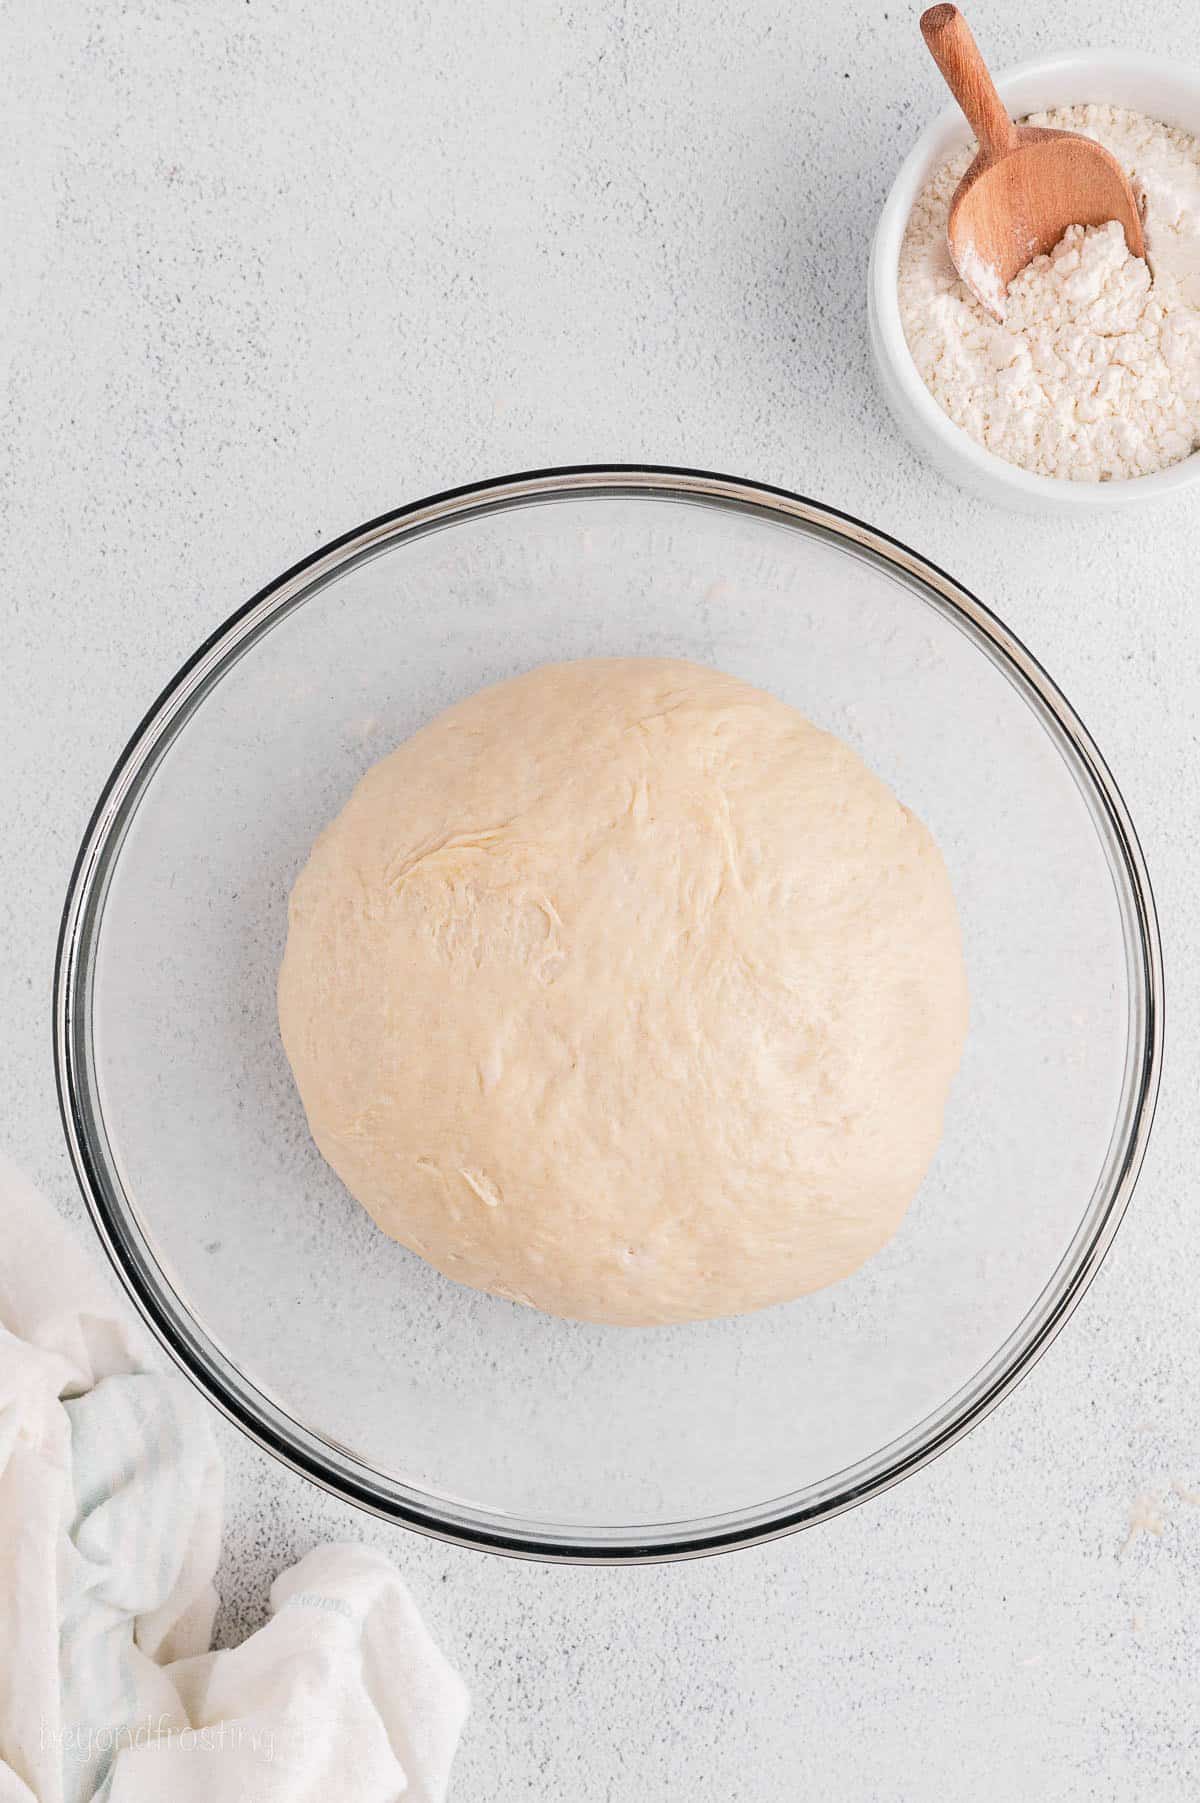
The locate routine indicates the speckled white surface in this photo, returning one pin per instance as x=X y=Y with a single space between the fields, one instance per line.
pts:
x=273 y=268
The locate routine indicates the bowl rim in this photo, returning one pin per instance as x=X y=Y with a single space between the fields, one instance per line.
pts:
x=986 y=471
x=321 y=1460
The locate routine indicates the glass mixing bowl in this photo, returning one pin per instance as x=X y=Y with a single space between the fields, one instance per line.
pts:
x=473 y=1418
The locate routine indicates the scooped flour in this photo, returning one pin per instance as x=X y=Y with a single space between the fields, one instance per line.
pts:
x=1094 y=374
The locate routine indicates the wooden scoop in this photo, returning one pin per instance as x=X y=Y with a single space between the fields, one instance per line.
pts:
x=1027 y=185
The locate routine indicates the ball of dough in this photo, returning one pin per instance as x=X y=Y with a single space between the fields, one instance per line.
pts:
x=622 y=991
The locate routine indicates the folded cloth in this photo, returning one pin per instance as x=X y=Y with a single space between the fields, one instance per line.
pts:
x=110 y=1521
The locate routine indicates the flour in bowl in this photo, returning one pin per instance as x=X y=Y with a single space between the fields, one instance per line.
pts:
x=1094 y=375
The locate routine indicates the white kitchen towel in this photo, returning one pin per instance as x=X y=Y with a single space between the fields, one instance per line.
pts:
x=110 y=1521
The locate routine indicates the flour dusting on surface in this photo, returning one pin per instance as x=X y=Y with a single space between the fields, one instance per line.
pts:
x=1145 y=1517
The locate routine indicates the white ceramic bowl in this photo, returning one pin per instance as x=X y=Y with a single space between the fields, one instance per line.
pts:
x=1148 y=84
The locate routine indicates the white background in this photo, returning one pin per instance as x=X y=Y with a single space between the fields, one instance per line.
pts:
x=272 y=268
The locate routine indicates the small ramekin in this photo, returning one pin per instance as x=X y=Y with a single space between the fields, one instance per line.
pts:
x=1148 y=84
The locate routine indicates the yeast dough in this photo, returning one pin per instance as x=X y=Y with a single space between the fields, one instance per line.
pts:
x=622 y=991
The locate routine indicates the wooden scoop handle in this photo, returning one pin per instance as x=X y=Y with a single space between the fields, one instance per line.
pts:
x=956 y=54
